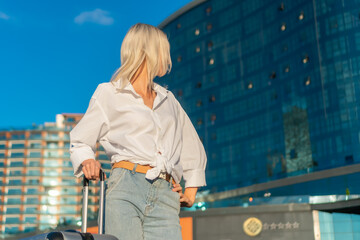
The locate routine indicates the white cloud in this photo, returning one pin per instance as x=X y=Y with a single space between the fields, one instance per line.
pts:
x=96 y=16
x=4 y=16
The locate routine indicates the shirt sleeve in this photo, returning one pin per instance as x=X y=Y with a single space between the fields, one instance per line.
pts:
x=193 y=156
x=93 y=126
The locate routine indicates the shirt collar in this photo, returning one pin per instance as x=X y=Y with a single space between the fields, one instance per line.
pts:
x=160 y=90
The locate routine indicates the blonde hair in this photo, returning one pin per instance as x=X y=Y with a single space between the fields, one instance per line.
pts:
x=143 y=43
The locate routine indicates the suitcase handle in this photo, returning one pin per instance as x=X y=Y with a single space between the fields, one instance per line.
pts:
x=101 y=203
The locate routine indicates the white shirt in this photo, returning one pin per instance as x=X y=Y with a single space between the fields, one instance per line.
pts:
x=130 y=130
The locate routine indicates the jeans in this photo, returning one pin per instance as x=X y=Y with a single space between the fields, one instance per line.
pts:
x=140 y=209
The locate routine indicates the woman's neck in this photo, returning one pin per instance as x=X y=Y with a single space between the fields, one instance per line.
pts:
x=140 y=81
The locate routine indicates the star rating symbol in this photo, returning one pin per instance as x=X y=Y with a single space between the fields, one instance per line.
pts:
x=266 y=226
x=281 y=225
x=296 y=225
x=288 y=225
x=273 y=226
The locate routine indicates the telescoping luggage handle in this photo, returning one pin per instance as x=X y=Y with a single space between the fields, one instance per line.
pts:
x=101 y=203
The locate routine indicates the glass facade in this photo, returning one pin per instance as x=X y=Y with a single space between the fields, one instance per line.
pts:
x=38 y=188
x=272 y=88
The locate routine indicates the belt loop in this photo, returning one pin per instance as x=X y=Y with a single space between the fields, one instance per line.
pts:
x=134 y=169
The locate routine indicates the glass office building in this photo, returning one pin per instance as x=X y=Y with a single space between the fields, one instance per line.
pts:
x=37 y=183
x=272 y=88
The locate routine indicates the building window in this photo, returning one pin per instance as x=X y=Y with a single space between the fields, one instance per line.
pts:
x=17 y=154
x=272 y=75
x=211 y=61
x=197 y=49
x=209 y=27
x=305 y=59
x=285 y=48
x=197 y=32
x=179 y=58
x=18 y=136
x=35 y=136
x=307 y=81
x=293 y=153
x=178 y=26
x=212 y=98
x=210 y=45
x=19 y=145
x=71 y=119
x=213 y=118
x=349 y=159
x=213 y=136
x=208 y=10
x=301 y=16
x=281 y=7
x=180 y=93
x=334 y=24
x=283 y=27
x=287 y=69
x=199 y=103
x=250 y=85
x=274 y=96
x=302 y=37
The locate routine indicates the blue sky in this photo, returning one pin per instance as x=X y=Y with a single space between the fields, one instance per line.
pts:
x=53 y=54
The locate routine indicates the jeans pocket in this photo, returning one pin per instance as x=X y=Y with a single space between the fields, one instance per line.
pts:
x=115 y=177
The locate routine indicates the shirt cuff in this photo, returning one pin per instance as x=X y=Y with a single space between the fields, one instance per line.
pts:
x=194 y=178
x=78 y=172
x=77 y=156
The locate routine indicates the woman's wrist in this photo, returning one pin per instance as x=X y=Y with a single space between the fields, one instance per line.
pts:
x=190 y=192
x=187 y=198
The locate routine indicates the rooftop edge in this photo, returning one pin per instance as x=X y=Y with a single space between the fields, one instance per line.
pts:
x=180 y=12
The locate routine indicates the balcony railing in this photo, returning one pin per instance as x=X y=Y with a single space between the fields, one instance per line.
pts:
x=21 y=137
x=35 y=137
x=17 y=147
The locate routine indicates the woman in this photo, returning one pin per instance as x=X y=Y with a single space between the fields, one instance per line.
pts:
x=149 y=139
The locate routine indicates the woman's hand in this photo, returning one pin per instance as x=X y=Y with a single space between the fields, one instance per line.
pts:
x=187 y=198
x=91 y=169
